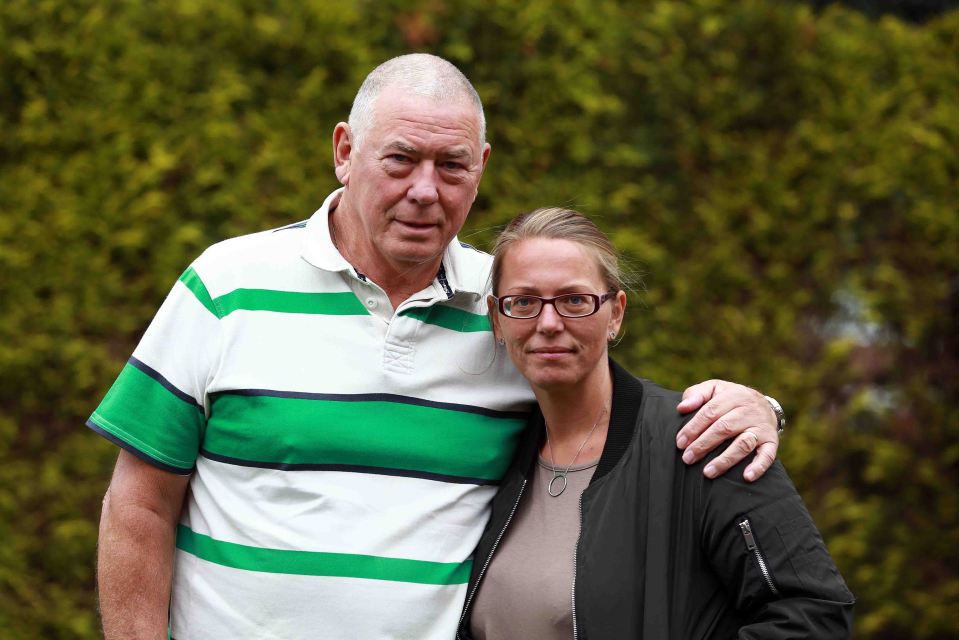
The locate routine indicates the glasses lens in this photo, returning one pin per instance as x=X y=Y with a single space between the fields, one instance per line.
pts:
x=576 y=305
x=522 y=306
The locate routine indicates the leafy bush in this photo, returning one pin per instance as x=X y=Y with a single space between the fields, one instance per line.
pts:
x=786 y=180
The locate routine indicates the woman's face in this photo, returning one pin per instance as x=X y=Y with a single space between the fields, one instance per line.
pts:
x=550 y=350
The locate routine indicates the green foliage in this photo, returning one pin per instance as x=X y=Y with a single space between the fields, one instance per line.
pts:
x=786 y=181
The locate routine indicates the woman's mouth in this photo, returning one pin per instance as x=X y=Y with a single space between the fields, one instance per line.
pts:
x=551 y=353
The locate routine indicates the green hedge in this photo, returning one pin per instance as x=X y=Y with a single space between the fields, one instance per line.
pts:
x=786 y=181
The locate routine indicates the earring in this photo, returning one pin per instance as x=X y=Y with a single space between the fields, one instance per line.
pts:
x=501 y=342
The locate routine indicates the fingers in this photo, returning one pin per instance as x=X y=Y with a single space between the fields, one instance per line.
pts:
x=765 y=455
x=714 y=409
x=719 y=424
x=741 y=447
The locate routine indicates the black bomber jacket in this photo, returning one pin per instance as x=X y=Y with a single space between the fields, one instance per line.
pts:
x=665 y=553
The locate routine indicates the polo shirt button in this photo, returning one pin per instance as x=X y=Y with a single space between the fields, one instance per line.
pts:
x=371 y=303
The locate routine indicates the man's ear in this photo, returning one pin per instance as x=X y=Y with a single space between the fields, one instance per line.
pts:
x=483 y=160
x=342 y=152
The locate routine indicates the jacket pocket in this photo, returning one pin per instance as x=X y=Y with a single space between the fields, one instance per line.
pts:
x=761 y=566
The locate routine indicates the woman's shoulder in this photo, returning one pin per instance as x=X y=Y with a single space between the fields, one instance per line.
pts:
x=650 y=400
x=641 y=406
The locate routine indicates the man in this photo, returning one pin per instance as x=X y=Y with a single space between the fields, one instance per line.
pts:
x=314 y=424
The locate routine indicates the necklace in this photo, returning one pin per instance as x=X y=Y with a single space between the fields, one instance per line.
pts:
x=550 y=489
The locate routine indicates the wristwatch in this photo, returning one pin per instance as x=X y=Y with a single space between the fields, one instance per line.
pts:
x=778 y=410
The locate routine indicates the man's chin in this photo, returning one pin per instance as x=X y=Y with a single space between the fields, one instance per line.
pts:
x=416 y=252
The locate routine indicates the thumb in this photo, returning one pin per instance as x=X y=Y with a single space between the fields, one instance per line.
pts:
x=692 y=400
x=696 y=396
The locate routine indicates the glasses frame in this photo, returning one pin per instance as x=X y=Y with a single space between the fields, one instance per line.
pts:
x=598 y=300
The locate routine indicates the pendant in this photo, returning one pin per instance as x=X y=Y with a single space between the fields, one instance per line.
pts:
x=550 y=488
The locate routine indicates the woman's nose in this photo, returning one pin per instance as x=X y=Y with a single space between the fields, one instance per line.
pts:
x=549 y=320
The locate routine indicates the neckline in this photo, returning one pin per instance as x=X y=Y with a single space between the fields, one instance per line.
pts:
x=582 y=466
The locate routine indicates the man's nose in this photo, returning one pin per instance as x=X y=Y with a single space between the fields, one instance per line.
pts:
x=424 y=189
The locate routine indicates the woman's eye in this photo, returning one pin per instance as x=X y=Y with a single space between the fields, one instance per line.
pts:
x=522 y=302
x=576 y=301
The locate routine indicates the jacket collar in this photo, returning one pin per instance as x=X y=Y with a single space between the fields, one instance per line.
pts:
x=623 y=421
x=623 y=418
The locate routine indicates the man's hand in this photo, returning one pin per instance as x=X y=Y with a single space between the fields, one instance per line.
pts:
x=728 y=410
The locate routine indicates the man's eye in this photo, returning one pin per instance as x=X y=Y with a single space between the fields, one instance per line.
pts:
x=399 y=157
x=452 y=166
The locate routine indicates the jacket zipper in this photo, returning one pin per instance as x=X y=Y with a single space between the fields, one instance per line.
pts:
x=575 y=553
x=489 y=558
x=751 y=545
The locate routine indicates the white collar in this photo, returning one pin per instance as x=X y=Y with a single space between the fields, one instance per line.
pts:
x=466 y=269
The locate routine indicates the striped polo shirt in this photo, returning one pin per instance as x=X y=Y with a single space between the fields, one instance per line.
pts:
x=343 y=454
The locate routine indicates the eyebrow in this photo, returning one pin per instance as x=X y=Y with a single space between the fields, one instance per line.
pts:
x=402 y=146
x=534 y=290
x=456 y=152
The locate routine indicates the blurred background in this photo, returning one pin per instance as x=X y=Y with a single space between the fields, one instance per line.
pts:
x=783 y=175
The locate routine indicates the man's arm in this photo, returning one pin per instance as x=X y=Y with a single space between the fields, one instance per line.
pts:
x=728 y=410
x=135 y=554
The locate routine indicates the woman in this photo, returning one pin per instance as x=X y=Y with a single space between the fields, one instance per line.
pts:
x=599 y=529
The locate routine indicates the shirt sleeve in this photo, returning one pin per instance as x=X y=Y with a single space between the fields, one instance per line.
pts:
x=157 y=407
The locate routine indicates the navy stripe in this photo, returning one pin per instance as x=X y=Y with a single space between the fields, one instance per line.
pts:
x=153 y=373
x=123 y=444
x=295 y=225
x=379 y=397
x=441 y=277
x=346 y=468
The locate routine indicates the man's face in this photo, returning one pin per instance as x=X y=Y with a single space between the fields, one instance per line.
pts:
x=412 y=181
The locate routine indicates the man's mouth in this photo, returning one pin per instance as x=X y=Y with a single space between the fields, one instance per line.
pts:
x=416 y=226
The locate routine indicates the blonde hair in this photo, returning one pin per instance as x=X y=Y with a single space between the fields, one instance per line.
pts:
x=562 y=224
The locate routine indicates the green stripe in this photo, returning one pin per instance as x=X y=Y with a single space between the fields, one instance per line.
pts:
x=332 y=304
x=380 y=434
x=315 y=563
x=143 y=413
x=451 y=318
x=193 y=282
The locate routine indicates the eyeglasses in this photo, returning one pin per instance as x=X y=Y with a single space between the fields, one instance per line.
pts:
x=569 y=305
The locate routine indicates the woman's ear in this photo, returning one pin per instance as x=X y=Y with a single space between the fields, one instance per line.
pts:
x=618 y=306
x=493 y=317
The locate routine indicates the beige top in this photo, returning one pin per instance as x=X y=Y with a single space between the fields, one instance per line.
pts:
x=528 y=587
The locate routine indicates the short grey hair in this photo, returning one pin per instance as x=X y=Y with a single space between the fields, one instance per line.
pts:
x=421 y=74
